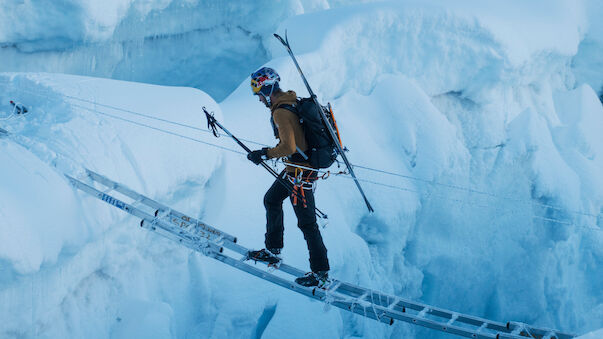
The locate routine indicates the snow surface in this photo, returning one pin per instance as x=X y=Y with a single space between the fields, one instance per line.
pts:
x=481 y=109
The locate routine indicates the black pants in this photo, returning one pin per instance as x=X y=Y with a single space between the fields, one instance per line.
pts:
x=306 y=221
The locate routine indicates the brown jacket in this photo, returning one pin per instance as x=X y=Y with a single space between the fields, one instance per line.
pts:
x=291 y=134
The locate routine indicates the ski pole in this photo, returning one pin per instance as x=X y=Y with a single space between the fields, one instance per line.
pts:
x=212 y=123
x=285 y=43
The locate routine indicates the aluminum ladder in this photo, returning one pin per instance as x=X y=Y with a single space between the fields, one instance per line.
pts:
x=221 y=246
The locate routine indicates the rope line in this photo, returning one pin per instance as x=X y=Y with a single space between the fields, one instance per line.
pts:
x=162 y=130
x=445 y=185
x=342 y=175
x=431 y=182
x=155 y=118
x=479 y=192
x=144 y=125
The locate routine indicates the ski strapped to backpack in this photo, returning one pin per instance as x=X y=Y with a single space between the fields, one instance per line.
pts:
x=213 y=125
x=323 y=115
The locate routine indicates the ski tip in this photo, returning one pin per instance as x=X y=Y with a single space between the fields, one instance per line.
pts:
x=284 y=41
x=279 y=38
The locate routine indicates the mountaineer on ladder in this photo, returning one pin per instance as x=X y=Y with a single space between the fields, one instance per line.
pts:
x=294 y=144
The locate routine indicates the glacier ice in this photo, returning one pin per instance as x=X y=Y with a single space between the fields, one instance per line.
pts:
x=488 y=114
x=207 y=44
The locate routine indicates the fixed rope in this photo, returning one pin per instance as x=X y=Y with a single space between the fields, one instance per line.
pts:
x=376 y=170
x=342 y=175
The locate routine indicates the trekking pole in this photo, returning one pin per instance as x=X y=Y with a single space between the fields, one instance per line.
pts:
x=285 y=43
x=212 y=123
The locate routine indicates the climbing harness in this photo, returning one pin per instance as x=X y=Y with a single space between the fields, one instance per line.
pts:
x=301 y=184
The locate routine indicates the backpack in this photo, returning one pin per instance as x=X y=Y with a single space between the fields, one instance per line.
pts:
x=322 y=150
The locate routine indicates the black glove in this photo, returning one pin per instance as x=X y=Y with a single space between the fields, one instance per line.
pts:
x=257 y=156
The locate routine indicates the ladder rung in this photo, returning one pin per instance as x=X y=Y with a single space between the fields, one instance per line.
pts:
x=136 y=203
x=363 y=296
x=334 y=287
x=481 y=328
x=423 y=312
x=109 y=189
x=453 y=319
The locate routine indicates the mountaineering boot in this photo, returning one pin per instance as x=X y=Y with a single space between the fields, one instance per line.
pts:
x=270 y=256
x=310 y=279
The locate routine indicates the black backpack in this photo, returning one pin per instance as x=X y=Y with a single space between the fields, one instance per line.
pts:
x=322 y=150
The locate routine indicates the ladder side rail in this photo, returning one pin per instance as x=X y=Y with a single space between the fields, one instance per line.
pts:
x=562 y=335
x=107 y=198
x=236 y=248
x=379 y=313
x=480 y=322
x=192 y=242
x=403 y=304
x=538 y=332
x=151 y=222
x=136 y=212
x=184 y=239
x=285 y=268
x=376 y=312
x=154 y=204
x=181 y=219
x=308 y=292
x=120 y=188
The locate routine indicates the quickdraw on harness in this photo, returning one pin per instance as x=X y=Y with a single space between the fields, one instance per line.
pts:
x=301 y=184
